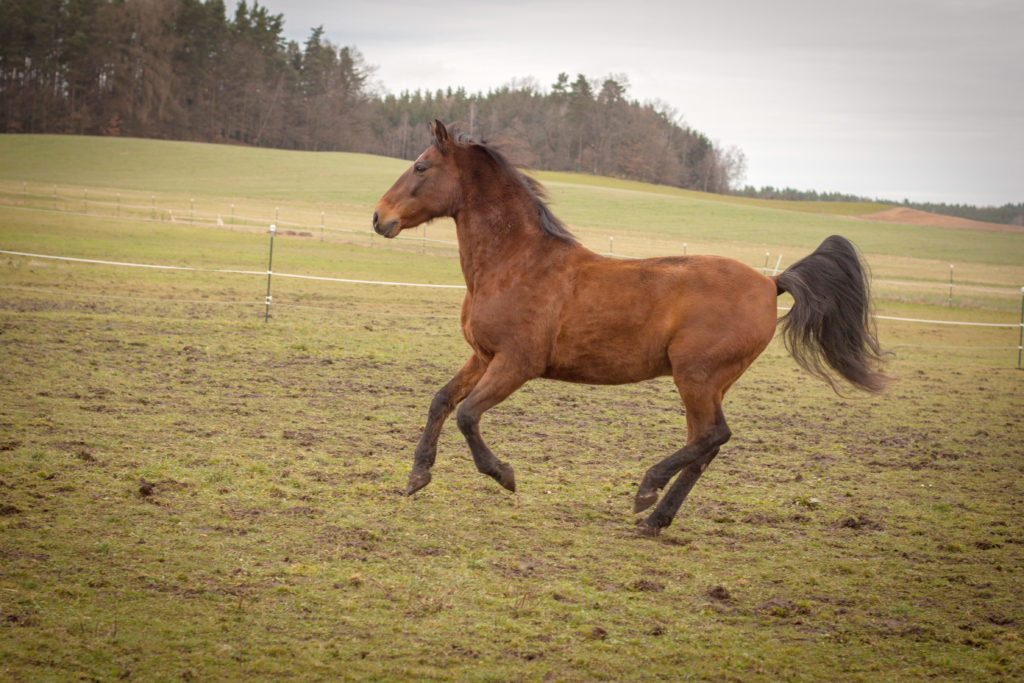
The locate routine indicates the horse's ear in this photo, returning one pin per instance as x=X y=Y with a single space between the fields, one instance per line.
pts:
x=440 y=133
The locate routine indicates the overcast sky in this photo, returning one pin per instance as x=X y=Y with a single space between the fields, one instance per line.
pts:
x=918 y=99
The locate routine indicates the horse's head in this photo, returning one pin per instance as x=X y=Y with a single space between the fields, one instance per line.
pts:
x=427 y=190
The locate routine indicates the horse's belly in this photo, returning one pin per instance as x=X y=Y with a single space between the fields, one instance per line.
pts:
x=608 y=365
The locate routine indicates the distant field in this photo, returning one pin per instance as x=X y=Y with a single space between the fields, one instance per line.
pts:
x=642 y=219
x=187 y=492
x=830 y=208
x=182 y=168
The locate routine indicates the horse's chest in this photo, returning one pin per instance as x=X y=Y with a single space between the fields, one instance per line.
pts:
x=508 y=321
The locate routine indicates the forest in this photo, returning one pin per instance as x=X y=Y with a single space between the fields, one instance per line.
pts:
x=190 y=70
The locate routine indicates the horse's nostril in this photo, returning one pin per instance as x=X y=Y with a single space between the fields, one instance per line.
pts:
x=376 y=219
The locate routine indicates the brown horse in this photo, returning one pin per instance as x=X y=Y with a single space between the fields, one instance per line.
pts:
x=539 y=304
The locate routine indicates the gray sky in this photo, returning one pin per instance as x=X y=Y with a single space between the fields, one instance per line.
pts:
x=918 y=99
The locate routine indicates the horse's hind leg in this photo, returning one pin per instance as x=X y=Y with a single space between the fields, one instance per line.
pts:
x=660 y=474
x=497 y=384
x=441 y=407
x=707 y=432
x=694 y=455
x=666 y=511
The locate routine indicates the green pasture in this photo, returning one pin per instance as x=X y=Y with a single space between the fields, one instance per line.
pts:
x=189 y=493
x=642 y=220
x=221 y=171
x=823 y=207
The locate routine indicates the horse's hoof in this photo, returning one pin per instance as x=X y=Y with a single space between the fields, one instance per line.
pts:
x=417 y=480
x=643 y=528
x=506 y=477
x=644 y=501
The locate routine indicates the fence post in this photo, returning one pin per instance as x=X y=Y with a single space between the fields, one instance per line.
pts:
x=321 y=226
x=949 y=301
x=1020 y=339
x=270 y=265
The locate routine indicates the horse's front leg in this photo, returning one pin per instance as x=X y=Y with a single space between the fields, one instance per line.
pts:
x=498 y=382
x=441 y=407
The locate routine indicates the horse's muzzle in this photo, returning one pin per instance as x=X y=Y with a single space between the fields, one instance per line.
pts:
x=385 y=229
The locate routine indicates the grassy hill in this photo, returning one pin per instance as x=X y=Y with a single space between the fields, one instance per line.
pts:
x=643 y=219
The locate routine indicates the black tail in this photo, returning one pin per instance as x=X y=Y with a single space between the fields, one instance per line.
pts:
x=830 y=327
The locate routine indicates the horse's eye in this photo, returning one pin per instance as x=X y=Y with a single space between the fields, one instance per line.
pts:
x=419 y=168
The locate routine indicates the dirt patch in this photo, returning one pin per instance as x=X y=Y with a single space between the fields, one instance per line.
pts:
x=907 y=216
x=23 y=620
x=781 y=607
x=305 y=438
x=149 y=488
x=77 y=449
x=719 y=593
x=859 y=523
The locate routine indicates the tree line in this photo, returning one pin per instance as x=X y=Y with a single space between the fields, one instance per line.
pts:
x=190 y=70
x=1008 y=214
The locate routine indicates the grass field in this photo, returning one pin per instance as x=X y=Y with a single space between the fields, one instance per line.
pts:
x=189 y=493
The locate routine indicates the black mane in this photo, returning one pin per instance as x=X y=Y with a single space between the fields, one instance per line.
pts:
x=549 y=223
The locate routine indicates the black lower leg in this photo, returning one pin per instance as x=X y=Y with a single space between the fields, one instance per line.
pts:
x=658 y=475
x=441 y=406
x=666 y=511
x=426 y=449
x=486 y=462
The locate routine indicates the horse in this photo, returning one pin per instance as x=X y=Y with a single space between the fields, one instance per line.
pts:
x=539 y=304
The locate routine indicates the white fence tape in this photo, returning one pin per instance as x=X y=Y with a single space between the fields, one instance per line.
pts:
x=190 y=215
x=404 y=284
x=367 y=282
x=947 y=322
x=224 y=270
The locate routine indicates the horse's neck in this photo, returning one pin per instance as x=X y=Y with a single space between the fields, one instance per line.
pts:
x=491 y=239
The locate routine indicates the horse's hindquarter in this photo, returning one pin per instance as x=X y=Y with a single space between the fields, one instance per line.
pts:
x=626 y=320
